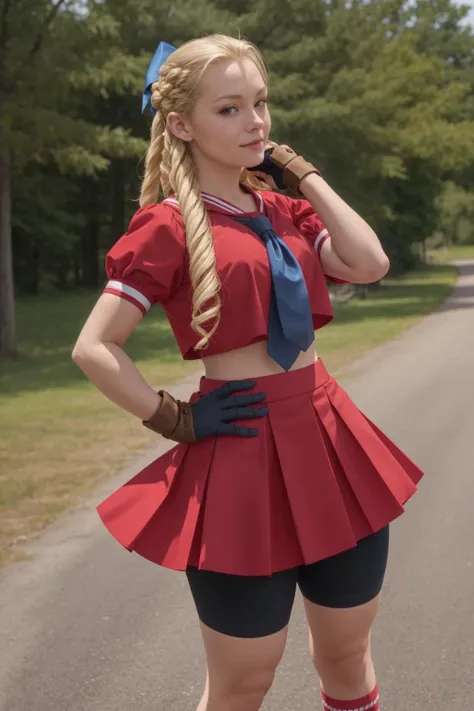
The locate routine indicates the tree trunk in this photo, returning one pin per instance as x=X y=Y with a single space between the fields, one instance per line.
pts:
x=7 y=299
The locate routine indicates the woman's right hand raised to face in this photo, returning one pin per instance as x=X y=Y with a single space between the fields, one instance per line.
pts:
x=213 y=414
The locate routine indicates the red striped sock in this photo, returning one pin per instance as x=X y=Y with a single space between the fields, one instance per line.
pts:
x=365 y=703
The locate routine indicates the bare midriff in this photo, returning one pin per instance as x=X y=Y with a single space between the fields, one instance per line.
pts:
x=251 y=362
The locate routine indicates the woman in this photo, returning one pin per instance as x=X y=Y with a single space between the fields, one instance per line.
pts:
x=278 y=479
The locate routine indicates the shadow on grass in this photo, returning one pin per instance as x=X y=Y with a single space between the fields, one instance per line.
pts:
x=48 y=327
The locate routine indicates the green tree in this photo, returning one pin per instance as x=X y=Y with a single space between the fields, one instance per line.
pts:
x=456 y=215
x=378 y=92
x=371 y=91
x=84 y=81
x=42 y=46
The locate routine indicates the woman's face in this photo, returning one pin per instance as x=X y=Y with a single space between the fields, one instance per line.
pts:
x=230 y=122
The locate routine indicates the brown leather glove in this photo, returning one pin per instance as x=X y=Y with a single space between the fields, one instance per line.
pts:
x=173 y=420
x=294 y=167
x=284 y=166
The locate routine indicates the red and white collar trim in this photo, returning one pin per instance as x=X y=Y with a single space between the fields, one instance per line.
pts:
x=223 y=205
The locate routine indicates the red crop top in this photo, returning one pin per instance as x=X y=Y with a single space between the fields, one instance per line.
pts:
x=149 y=265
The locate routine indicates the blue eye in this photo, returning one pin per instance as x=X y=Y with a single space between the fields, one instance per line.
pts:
x=228 y=109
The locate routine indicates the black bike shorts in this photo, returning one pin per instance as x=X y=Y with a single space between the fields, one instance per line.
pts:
x=257 y=606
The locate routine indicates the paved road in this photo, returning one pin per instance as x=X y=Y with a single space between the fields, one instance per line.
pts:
x=88 y=627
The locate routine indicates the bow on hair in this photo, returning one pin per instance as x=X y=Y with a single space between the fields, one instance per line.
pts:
x=162 y=53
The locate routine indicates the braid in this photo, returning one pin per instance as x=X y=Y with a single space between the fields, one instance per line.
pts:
x=150 y=188
x=165 y=164
x=169 y=166
x=199 y=241
x=165 y=92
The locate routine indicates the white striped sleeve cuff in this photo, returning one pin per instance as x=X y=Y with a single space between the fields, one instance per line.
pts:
x=129 y=293
x=320 y=239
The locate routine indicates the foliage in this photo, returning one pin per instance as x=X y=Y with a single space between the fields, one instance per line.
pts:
x=378 y=92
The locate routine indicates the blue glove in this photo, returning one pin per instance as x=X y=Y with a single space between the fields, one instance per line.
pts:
x=268 y=167
x=213 y=413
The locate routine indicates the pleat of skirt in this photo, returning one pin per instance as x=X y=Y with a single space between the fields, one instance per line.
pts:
x=319 y=477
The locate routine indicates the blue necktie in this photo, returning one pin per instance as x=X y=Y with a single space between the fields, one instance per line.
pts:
x=290 y=324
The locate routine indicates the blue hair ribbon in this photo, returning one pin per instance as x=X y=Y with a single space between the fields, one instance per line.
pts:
x=162 y=53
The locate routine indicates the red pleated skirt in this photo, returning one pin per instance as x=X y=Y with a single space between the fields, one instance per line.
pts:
x=319 y=477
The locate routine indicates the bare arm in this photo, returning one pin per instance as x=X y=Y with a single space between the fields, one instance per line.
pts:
x=99 y=354
x=353 y=252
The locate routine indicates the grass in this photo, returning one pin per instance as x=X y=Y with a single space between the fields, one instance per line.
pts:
x=448 y=254
x=362 y=324
x=60 y=437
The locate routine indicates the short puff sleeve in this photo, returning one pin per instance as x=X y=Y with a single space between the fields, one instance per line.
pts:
x=312 y=228
x=146 y=265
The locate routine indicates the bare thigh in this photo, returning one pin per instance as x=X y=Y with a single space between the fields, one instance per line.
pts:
x=337 y=632
x=240 y=670
x=339 y=640
x=244 y=623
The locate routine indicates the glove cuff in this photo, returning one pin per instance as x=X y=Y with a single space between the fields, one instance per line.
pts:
x=172 y=419
x=295 y=167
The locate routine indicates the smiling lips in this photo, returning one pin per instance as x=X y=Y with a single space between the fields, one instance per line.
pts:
x=255 y=145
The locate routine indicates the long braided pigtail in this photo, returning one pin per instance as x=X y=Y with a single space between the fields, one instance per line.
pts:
x=169 y=166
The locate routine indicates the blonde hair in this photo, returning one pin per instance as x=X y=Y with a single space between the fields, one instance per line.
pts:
x=169 y=165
